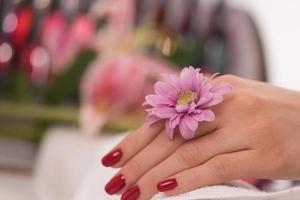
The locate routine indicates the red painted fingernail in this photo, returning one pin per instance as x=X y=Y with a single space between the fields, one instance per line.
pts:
x=112 y=158
x=168 y=184
x=115 y=184
x=131 y=194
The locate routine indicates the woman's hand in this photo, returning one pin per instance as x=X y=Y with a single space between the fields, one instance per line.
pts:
x=256 y=134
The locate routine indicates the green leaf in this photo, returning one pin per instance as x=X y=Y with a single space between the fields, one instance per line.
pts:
x=66 y=85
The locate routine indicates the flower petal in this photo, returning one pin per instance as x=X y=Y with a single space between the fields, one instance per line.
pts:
x=204 y=115
x=204 y=99
x=185 y=131
x=216 y=99
x=163 y=89
x=208 y=115
x=205 y=89
x=169 y=130
x=192 y=107
x=151 y=119
x=182 y=108
x=197 y=83
x=201 y=101
x=191 y=122
x=174 y=121
x=222 y=88
x=188 y=77
x=164 y=112
x=173 y=81
x=155 y=100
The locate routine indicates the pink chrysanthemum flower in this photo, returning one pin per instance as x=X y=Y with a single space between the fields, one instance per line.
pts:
x=184 y=101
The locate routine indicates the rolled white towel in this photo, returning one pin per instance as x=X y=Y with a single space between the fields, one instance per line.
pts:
x=68 y=168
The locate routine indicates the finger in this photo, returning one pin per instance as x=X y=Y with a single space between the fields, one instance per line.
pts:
x=188 y=155
x=139 y=139
x=153 y=154
x=158 y=150
x=198 y=151
x=220 y=169
x=229 y=79
x=131 y=145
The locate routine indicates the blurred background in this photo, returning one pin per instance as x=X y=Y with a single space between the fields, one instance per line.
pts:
x=75 y=71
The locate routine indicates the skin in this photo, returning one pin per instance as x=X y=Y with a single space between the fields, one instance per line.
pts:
x=256 y=134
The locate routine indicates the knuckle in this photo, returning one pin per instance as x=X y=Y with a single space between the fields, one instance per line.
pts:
x=149 y=179
x=234 y=80
x=129 y=141
x=188 y=153
x=248 y=100
x=221 y=168
x=267 y=128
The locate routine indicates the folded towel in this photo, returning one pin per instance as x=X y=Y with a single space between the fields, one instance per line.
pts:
x=68 y=168
x=233 y=191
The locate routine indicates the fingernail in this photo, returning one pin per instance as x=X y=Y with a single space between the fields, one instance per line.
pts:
x=112 y=158
x=131 y=194
x=168 y=184
x=115 y=184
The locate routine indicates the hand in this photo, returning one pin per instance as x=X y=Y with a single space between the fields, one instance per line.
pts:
x=256 y=134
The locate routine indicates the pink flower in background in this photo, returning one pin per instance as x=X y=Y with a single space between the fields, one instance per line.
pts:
x=64 y=41
x=53 y=28
x=83 y=31
x=184 y=101
x=116 y=85
x=119 y=16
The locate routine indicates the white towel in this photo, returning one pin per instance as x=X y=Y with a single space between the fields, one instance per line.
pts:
x=237 y=192
x=69 y=169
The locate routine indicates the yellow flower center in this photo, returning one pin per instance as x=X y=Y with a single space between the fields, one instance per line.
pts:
x=186 y=97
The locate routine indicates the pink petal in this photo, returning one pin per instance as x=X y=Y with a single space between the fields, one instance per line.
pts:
x=165 y=89
x=192 y=107
x=173 y=96
x=201 y=101
x=169 y=130
x=155 y=100
x=162 y=88
x=222 y=88
x=204 y=99
x=187 y=77
x=205 y=89
x=191 y=123
x=185 y=131
x=182 y=108
x=173 y=81
x=208 y=115
x=174 y=121
x=215 y=100
x=204 y=115
x=149 y=110
x=164 y=112
x=197 y=82
x=151 y=119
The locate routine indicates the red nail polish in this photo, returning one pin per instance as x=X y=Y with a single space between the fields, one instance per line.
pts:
x=115 y=184
x=112 y=158
x=131 y=194
x=168 y=184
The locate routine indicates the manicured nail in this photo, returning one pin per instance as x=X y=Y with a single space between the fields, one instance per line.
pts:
x=131 y=194
x=115 y=184
x=168 y=184
x=112 y=158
